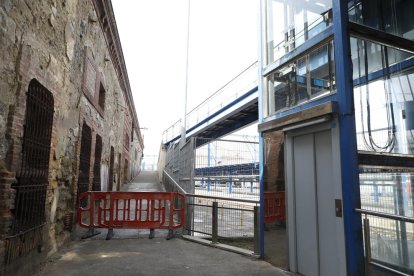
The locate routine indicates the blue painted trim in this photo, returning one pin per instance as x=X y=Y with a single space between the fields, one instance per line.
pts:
x=395 y=68
x=221 y=110
x=234 y=126
x=348 y=146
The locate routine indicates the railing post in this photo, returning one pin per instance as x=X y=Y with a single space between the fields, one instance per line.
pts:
x=367 y=245
x=188 y=215
x=214 y=223
x=256 y=230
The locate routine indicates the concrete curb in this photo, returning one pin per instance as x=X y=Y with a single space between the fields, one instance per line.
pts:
x=226 y=247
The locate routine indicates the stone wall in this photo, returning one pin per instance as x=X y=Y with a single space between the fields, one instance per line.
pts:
x=52 y=41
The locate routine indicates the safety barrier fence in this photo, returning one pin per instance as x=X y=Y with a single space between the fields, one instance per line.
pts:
x=381 y=230
x=274 y=207
x=220 y=219
x=136 y=210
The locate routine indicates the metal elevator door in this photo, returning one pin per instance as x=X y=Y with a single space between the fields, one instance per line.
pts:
x=315 y=232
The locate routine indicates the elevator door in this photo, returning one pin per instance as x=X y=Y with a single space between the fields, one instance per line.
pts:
x=316 y=237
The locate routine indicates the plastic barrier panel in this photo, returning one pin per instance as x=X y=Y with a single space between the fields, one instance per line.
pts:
x=274 y=207
x=136 y=210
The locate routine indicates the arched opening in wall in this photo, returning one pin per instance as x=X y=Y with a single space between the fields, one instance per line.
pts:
x=97 y=164
x=126 y=168
x=111 y=170
x=32 y=176
x=84 y=161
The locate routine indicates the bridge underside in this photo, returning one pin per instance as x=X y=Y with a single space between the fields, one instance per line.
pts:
x=234 y=121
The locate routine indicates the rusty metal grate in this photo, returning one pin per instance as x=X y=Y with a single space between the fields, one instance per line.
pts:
x=32 y=176
x=97 y=165
x=84 y=161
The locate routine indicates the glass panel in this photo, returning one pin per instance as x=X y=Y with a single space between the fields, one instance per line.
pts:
x=394 y=17
x=384 y=98
x=389 y=190
x=292 y=22
x=309 y=77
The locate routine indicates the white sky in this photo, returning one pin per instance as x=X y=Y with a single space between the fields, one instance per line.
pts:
x=223 y=42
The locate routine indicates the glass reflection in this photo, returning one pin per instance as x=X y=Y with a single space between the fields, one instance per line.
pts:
x=290 y=23
x=308 y=78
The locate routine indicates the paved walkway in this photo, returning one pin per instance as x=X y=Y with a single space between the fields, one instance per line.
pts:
x=130 y=252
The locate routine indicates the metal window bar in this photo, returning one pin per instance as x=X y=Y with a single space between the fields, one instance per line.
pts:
x=84 y=161
x=97 y=165
x=32 y=176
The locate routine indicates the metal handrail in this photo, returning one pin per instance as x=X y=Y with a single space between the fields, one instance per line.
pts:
x=175 y=183
x=385 y=215
x=367 y=239
x=209 y=197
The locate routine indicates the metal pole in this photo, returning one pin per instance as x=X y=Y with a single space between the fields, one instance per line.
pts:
x=367 y=245
x=214 y=223
x=256 y=230
x=184 y=121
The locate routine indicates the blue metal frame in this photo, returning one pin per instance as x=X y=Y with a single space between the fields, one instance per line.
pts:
x=379 y=74
x=348 y=145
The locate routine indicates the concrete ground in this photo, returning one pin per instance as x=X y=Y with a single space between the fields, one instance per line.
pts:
x=130 y=252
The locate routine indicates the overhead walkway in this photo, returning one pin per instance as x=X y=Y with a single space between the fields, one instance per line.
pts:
x=232 y=107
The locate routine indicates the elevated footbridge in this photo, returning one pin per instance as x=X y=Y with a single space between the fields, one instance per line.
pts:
x=232 y=107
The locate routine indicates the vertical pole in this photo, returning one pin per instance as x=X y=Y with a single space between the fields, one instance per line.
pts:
x=184 y=121
x=348 y=148
x=230 y=184
x=251 y=185
x=264 y=54
x=214 y=223
x=208 y=165
x=256 y=230
x=367 y=244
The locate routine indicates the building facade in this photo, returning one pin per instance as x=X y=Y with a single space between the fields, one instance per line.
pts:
x=67 y=119
x=336 y=100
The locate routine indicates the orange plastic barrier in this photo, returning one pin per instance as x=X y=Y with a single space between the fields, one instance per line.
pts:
x=135 y=210
x=274 y=207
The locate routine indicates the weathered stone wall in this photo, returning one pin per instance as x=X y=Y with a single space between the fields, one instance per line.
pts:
x=50 y=41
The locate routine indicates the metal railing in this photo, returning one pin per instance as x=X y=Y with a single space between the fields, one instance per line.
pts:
x=376 y=262
x=231 y=91
x=221 y=219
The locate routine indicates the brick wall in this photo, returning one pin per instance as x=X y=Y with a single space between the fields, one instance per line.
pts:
x=274 y=161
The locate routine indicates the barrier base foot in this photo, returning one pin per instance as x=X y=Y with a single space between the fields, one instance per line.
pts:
x=110 y=234
x=151 y=234
x=91 y=232
x=170 y=234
